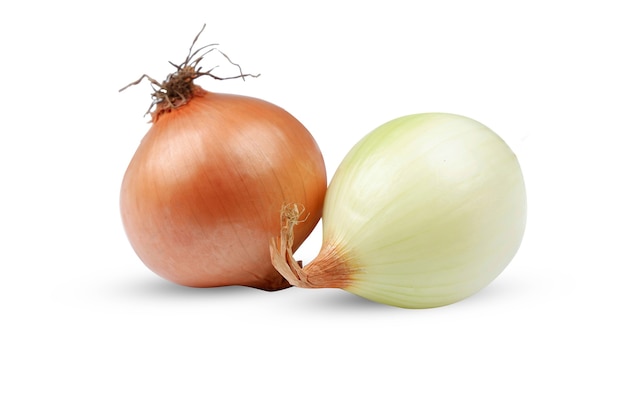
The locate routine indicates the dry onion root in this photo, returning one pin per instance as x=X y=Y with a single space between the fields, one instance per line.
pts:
x=202 y=194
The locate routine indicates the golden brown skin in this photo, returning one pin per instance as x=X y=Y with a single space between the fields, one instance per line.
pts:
x=202 y=196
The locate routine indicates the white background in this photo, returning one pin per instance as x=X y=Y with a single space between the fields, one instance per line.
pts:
x=87 y=330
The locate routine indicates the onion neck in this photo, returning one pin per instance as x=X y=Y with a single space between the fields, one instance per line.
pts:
x=330 y=269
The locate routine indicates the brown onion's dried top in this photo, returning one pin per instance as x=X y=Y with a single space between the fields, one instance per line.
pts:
x=178 y=88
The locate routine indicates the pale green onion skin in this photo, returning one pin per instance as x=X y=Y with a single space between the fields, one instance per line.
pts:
x=424 y=211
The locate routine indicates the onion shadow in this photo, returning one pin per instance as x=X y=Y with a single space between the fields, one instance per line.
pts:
x=155 y=287
x=340 y=301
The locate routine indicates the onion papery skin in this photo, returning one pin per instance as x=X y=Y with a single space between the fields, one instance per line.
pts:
x=424 y=211
x=203 y=192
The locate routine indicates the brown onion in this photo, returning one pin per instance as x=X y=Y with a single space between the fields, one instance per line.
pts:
x=203 y=193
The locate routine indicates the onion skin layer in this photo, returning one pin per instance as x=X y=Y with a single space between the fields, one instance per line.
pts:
x=202 y=195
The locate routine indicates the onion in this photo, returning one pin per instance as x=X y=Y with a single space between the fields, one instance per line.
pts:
x=203 y=193
x=424 y=211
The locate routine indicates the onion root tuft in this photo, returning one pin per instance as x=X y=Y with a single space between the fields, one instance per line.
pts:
x=178 y=88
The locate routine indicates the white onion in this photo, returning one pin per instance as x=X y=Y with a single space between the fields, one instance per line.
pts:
x=424 y=211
